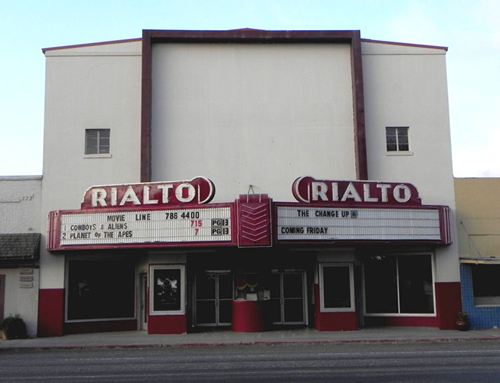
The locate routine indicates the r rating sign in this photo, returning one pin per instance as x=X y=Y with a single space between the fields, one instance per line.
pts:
x=357 y=224
x=146 y=226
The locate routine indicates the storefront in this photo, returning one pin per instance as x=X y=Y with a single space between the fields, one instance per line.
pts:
x=478 y=216
x=159 y=256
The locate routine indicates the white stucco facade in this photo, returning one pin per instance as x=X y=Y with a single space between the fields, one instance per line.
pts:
x=407 y=86
x=224 y=110
x=90 y=87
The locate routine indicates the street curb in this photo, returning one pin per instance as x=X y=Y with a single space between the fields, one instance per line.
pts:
x=250 y=343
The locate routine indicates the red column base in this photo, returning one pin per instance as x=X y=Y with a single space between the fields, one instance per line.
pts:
x=333 y=321
x=167 y=324
x=51 y=312
x=448 y=304
x=247 y=316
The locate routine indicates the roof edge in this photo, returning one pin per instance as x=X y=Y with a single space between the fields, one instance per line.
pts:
x=404 y=44
x=21 y=178
x=44 y=50
x=247 y=34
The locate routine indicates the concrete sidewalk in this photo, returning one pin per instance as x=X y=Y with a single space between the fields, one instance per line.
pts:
x=141 y=339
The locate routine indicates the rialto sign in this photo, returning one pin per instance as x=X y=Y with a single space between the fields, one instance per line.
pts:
x=310 y=190
x=357 y=211
x=155 y=214
x=199 y=190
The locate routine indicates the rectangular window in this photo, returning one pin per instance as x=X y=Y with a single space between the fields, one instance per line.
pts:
x=99 y=290
x=336 y=287
x=397 y=139
x=399 y=284
x=486 y=285
x=97 y=141
x=166 y=289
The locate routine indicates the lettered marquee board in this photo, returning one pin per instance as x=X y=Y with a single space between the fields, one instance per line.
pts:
x=207 y=225
x=297 y=222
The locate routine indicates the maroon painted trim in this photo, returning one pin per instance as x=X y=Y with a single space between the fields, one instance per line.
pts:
x=54 y=236
x=448 y=304
x=51 y=312
x=146 y=108
x=351 y=37
x=91 y=44
x=404 y=44
x=333 y=321
x=167 y=324
x=359 y=108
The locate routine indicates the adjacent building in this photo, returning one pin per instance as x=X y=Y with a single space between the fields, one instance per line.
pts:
x=20 y=203
x=246 y=179
x=478 y=216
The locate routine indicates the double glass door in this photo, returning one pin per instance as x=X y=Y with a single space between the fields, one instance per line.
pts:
x=213 y=296
x=288 y=298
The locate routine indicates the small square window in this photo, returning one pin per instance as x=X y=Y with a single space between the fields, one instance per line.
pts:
x=96 y=141
x=397 y=139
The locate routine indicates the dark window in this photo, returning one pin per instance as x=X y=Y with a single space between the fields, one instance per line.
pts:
x=336 y=287
x=96 y=141
x=415 y=284
x=381 y=285
x=486 y=284
x=100 y=290
x=397 y=139
x=409 y=277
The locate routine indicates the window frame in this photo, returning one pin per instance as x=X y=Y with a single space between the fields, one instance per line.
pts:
x=67 y=289
x=352 y=307
x=182 y=309
x=398 y=151
x=399 y=314
x=99 y=154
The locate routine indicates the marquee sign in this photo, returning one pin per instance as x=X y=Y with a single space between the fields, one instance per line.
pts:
x=177 y=214
x=300 y=222
x=138 y=228
x=310 y=190
x=199 y=190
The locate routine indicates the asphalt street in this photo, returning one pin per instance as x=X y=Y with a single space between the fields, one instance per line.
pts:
x=431 y=362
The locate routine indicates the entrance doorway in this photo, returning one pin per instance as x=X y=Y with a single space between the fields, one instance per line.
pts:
x=213 y=294
x=143 y=309
x=2 y=295
x=288 y=298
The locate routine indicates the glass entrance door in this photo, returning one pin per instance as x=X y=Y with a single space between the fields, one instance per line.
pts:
x=289 y=298
x=213 y=297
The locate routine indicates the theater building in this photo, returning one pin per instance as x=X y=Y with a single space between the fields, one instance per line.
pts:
x=247 y=180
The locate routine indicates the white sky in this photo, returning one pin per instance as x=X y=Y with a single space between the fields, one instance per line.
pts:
x=470 y=28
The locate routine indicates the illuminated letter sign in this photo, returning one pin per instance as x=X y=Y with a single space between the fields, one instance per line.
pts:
x=197 y=191
x=310 y=190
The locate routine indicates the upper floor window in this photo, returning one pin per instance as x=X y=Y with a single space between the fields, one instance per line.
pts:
x=96 y=141
x=397 y=139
